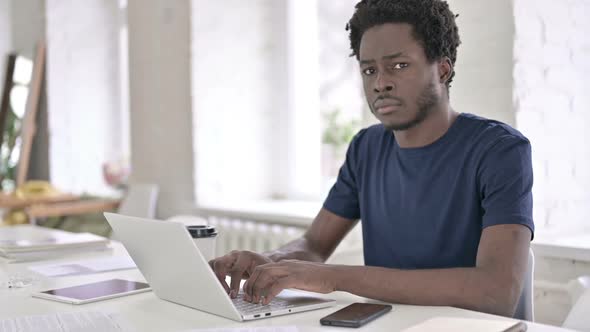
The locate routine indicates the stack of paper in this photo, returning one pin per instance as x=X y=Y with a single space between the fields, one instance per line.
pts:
x=28 y=242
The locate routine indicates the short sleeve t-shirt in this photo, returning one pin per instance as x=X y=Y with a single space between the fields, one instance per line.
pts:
x=423 y=208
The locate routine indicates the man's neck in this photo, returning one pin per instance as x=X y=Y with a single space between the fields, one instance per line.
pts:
x=429 y=130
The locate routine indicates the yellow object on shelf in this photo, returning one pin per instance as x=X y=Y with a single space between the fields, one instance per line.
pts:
x=35 y=189
x=16 y=217
x=26 y=194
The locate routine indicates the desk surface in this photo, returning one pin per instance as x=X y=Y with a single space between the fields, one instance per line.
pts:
x=146 y=312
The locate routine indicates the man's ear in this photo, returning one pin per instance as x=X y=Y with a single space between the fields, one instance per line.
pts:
x=445 y=69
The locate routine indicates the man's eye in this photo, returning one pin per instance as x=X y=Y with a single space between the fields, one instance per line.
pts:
x=400 y=65
x=369 y=71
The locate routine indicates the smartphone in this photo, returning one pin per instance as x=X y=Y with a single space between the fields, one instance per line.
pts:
x=356 y=314
x=93 y=292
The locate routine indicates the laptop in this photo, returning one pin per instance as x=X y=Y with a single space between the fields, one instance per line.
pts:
x=177 y=272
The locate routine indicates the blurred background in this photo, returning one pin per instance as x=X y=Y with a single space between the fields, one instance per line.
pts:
x=242 y=110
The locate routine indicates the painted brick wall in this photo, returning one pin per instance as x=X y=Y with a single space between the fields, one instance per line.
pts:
x=551 y=84
x=483 y=81
x=83 y=91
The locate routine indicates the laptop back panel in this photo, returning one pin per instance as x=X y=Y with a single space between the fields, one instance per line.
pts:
x=166 y=255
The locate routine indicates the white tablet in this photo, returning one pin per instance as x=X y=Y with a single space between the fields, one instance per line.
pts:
x=93 y=292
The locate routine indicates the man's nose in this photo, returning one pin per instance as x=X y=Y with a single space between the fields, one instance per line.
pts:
x=383 y=83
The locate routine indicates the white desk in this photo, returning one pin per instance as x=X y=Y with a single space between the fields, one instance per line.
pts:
x=146 y=312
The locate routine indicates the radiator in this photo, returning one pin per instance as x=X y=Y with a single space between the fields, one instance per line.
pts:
x=257 y=236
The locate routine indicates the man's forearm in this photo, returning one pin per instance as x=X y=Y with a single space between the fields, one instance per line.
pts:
x=468 y=288
x=300 y=249
x=318 y=242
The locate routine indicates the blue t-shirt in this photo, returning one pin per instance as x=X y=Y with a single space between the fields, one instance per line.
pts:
x=426 y=207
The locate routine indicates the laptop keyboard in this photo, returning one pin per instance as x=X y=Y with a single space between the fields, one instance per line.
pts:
x=245 y=307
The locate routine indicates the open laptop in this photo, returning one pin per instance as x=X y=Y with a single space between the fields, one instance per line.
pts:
x=176 y=270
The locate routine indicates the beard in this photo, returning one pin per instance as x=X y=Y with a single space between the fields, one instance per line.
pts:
x=425 y=103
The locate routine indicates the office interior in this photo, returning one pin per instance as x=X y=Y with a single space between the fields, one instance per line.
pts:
x=237 y=114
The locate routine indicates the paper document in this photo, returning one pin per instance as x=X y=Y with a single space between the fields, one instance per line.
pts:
x=453 y=324
x=250 y=329
x=66 y=322
x=85 y=266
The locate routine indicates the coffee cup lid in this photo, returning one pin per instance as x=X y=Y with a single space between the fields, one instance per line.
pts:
x=201 y=231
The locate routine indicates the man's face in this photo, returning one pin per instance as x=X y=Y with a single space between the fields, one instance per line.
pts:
x=400 y=84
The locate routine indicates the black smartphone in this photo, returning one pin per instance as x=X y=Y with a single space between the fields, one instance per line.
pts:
x=356 y=315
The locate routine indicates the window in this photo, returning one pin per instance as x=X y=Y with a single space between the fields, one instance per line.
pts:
x=275 y=98
x=87 y=93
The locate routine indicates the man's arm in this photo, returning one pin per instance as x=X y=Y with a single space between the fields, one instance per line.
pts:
x=319 y=241
x=493 y=285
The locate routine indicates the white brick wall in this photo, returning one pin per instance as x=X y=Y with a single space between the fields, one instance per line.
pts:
x=83 y=92
x=551 y=84
x=483 y=81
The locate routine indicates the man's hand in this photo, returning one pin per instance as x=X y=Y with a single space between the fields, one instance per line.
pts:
x=268 y=280
x=238 y=265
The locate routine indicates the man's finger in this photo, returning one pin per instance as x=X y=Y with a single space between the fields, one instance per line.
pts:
x=237 y=273
x=236 y=279
x=272 y=270
x=251 y=281
x=276 y=288
x=262 y=284
x=220 y=268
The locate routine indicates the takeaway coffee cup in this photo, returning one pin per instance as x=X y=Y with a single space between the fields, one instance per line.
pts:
x=204 y=237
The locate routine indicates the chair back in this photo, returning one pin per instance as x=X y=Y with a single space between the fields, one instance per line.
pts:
x=579 y=315
x=525 y=307
x=140 y=201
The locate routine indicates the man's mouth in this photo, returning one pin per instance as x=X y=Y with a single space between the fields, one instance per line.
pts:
x=387 y=109
x=385 y=106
